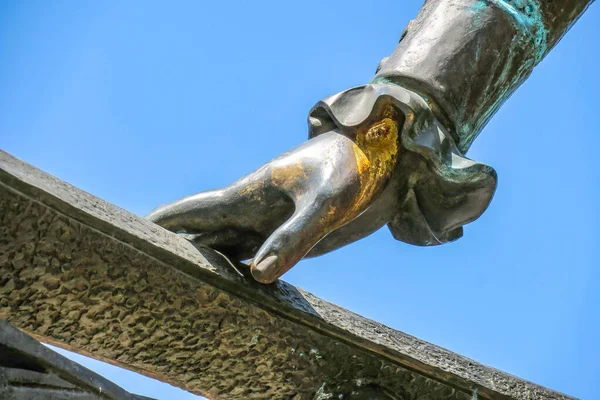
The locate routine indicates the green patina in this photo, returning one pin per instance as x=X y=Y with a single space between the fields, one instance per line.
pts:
x=532 y=33
x=528 y=18
x=527 y=15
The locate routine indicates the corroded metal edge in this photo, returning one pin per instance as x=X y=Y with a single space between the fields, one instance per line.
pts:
x=28 y=370
x=280 y=299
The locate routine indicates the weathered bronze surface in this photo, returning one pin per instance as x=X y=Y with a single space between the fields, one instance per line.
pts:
x=389 y=152
x=85 y=275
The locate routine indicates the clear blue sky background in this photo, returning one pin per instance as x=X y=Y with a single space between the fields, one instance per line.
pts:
x=142 y=102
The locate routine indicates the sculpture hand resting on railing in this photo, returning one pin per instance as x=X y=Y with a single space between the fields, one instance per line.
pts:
x=346 y=182
x=290 y=204
x=389 y=152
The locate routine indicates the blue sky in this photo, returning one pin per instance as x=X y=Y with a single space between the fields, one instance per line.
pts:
x=142 y=102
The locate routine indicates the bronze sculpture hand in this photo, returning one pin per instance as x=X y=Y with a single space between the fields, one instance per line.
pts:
x=362 y=168
x=291 y=203
x=389 y=152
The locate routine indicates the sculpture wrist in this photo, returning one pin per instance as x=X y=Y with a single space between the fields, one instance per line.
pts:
x=437 y=190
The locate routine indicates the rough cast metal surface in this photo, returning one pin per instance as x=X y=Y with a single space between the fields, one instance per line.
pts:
x=85 y=275
x=29 y=370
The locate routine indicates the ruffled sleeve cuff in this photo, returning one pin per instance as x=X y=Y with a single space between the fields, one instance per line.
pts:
x=438 y=189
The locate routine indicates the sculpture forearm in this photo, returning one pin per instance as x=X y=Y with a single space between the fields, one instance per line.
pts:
x=468 y=56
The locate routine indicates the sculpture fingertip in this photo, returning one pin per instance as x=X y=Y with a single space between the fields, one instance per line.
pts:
x=266 y=270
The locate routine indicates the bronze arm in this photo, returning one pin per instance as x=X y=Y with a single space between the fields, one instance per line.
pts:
x=389 y=152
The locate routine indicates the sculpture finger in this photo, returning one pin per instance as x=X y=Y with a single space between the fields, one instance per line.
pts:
x=250 y=205
x=293 y=240
x=376 y=216
x=234 y=242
